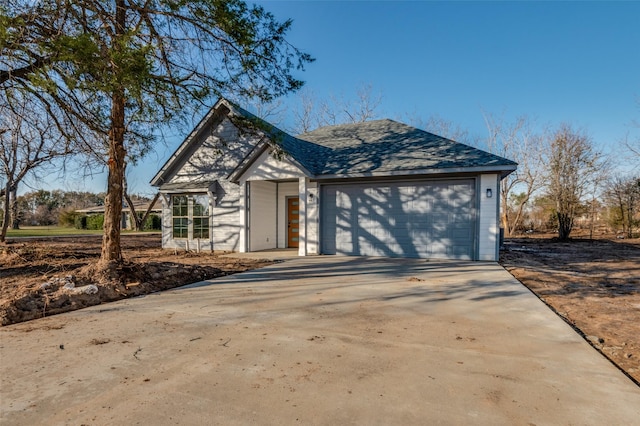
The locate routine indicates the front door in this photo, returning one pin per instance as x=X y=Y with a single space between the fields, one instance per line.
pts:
x=293 y=221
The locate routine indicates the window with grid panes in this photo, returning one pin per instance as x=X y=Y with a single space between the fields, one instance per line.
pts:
x=200 y=216
x=180 y=214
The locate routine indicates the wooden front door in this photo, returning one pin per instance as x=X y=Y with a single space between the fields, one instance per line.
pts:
x=293 y=221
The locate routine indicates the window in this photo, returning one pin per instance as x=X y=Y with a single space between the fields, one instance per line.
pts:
x=190 y=216
x=201 y=216
x=180 y=216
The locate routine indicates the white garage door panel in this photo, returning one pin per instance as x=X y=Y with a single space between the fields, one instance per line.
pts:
x=426 y=219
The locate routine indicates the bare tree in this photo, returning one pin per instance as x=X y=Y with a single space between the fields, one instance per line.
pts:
x=365 y=107
x=273 y=112
x=305 y=116
x=623 y=197
x=517 y=141
x=442 y=127
x=633 y=146
x=573 y=167
x=138 y=220
x=317 y=112
x=633 y=143
x=28 y=143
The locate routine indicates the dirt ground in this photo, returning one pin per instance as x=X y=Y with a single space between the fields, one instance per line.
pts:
x=594 y=285
x=42 y=277
x=323 y=340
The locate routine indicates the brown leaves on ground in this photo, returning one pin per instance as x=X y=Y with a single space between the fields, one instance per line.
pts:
x=594 y=285
x=35 y=274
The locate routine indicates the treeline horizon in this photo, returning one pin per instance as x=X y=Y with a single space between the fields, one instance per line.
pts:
x=43 y=207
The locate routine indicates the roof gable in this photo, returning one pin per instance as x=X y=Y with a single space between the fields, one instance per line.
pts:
x=301 y=153
x=245 y=125
x=219 y=110
x=272 y=167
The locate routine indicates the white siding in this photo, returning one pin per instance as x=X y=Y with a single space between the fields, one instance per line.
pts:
x=302 y=192
x=212 y=158
x=262 y=214
x=242 y=217
x=226 y=217
x=488 y=228
x=167 y=242
x=308 y=193
x=216 y=154
x=268 y=168
x=312 y=223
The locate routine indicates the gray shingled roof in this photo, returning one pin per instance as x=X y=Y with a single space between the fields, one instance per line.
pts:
x=304 y=152
x=369 y=148
x=385 y=146
x=376 y=147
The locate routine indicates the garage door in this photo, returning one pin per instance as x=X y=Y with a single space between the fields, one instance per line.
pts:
x=409 y=219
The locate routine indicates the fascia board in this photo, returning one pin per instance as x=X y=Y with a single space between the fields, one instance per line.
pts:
x=254 y=155
x=247 y=161
x=503 y=170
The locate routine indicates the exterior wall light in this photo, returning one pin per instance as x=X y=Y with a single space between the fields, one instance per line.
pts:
x=489 y=193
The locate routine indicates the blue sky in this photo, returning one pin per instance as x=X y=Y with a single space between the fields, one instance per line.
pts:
x=570 y=61
x=574 y=62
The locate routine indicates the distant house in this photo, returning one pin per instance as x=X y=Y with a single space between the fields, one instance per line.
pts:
x=127 y=223
x=379 y=188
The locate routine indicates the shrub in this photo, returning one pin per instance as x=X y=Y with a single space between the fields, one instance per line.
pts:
x=67 y=218
x=80 y=222
x=152 y=223
x=95 y=221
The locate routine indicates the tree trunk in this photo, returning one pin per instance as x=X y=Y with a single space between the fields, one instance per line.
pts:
x=515 y=223
x=132 y=210
x=140 y=221
x=111 y=251
x=15 y=217
x=623 y=219
x=6 y=215
x=630 y=217
x=504 y=213
x=504 y=220
x=137 y=222
x=565 y=225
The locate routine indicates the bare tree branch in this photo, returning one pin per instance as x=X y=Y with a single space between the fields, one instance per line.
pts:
x=574 y=166
x=518 y=142
x=28 y=142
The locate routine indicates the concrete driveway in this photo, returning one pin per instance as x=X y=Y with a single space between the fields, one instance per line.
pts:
x=323 y=340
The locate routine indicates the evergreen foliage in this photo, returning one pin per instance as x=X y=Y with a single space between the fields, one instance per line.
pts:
x=112 y=72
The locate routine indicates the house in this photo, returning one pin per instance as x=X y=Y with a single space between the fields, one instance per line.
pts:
x=126 y=222
x=379 y=188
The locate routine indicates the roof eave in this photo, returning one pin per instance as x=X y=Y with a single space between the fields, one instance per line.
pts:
x=190 y=187
x=262 y=146
x=502 y=170
x=247 y=161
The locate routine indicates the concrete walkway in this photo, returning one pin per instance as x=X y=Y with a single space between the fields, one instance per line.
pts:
x=322 y=340
x=272 y=254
